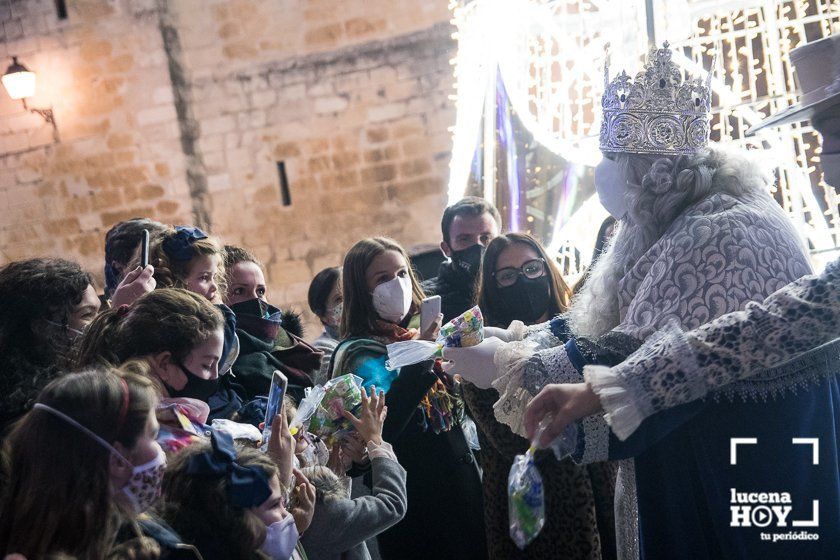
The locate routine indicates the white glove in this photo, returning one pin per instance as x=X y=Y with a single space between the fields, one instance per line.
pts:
x=505 y=335
x=475 y=363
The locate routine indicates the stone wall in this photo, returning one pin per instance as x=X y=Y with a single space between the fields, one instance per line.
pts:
x=186 y=110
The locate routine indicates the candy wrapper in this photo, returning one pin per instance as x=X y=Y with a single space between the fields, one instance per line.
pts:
x=526 y=494
x=464 y=330
x=340 y=394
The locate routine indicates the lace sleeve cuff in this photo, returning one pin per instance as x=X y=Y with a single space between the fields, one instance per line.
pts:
x=621 y=412
x=510 y=408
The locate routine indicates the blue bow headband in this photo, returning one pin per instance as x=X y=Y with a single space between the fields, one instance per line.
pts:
x=247 y=486
x=179 y=246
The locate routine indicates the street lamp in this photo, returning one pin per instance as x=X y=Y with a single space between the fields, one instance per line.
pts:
x=19 y=82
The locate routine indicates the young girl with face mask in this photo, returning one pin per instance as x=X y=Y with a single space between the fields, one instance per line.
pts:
x=229 y=503
x=179 y=335
x=381 y=300
x=186 y=257
x=79 y=463
x=326 y=302
x=519 y=282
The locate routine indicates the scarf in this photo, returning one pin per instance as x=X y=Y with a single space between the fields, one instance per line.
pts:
x=441 y=405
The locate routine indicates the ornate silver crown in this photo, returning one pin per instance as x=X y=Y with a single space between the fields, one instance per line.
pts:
x=658 y=112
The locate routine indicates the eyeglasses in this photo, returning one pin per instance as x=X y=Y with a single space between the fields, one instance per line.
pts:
x=531 y=269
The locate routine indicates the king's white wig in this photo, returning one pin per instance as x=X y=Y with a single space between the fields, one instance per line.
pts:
x=660 y=189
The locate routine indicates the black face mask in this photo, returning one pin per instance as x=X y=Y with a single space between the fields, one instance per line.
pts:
x=196 y=387
x=527 y=300
x=468 y=260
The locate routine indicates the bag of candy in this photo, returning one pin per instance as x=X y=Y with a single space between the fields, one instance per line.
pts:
x=526 y=500
x=464 y=330
x=339 y=394
x=526 y=495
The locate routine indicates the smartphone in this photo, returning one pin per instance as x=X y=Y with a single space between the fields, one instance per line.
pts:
x=429 y=310
x=144 y=250
x=279 y=385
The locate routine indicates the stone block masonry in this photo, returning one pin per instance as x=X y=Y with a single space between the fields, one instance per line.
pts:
x=352 y=98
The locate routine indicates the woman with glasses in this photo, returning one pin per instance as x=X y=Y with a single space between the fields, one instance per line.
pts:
x=519 y=283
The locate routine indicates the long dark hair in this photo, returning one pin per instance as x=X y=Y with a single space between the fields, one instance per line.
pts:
x=359 y=318
x=56 y=496
x=489 y=297
x=165 y=320
x=34 y=292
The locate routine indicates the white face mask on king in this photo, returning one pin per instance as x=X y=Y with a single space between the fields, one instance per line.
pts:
x=611 y=187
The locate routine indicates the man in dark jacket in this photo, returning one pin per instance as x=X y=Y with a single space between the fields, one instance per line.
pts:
x=467 y=226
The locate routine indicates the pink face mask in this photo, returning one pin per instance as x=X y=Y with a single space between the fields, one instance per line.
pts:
x=143 y=488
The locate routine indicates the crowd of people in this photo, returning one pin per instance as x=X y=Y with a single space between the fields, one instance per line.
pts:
x=132 y=422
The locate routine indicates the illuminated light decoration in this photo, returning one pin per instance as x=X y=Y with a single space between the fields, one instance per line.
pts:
x=550 y=53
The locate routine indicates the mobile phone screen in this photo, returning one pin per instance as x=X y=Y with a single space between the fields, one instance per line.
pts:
x=429 y=310
x=279 y=384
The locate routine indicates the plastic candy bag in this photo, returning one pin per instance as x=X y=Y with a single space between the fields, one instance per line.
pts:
x=306 y=408
x=464 y=330
x=340 y=394
x=526 y=500
x=526 y=494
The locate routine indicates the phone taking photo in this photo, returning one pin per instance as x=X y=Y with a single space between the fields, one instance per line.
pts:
x=144 y=250
x=429 y=310
x=279 y=386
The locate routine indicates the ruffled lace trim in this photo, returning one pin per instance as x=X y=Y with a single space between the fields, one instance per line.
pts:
x=510 y=408
x=621 y=412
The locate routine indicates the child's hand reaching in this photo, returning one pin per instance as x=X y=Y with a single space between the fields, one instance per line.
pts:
x=371 y=416
x=303 y=502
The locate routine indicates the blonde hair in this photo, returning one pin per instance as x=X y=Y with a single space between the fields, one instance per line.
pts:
x=171 y=273
x=327 y=484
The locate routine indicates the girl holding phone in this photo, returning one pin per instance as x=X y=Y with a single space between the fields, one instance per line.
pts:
x=381 y=301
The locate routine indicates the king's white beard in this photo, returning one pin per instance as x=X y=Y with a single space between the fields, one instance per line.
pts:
x=595 y=309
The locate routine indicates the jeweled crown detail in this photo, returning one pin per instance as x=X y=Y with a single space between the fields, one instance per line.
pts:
x=658 y=112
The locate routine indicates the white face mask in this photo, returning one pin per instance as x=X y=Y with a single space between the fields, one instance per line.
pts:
x=831 y=169
x=392 y=300
x=611 y=187
x=281 y=538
